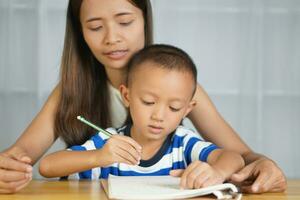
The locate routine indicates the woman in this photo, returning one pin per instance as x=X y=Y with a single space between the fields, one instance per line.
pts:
x=101 y=36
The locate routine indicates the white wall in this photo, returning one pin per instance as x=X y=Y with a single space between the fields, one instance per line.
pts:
x=247 y=53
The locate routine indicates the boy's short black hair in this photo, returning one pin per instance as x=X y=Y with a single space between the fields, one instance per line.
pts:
x=167 y=57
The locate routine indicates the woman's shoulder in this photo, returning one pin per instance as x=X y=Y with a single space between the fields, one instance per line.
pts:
x=184 y=132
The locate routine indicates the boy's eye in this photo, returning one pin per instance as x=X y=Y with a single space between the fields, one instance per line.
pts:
x=174 y=109
x=147 y=103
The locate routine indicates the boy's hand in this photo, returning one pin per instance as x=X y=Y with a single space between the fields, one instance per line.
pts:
x=121 y=149
x=197 y=175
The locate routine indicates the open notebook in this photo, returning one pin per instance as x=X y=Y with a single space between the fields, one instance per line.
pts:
x=161 y=187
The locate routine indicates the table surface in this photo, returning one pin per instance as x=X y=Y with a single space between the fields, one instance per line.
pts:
x=85 y=190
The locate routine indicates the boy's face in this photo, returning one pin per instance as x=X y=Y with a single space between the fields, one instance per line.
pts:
x=158 y=100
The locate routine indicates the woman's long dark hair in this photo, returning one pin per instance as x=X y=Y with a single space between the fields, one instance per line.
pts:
x=83 y=81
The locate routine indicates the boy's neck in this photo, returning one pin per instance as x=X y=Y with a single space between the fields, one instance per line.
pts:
x=149 y=147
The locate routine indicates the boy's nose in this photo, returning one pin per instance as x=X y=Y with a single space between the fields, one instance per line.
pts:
x=158 y=115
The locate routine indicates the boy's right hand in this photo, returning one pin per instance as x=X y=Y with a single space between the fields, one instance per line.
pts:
x=15 y=171
x=121 y=149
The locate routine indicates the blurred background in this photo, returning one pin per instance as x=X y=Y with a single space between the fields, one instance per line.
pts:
x=247 y=53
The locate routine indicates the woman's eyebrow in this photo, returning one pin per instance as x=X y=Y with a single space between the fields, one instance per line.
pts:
x=123 y=13
x=117 y=15
x=93 y=19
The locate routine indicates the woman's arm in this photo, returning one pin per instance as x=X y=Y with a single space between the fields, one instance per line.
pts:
x=39 y=135
x=64 y=163
x=214 y=128
x=16 y=161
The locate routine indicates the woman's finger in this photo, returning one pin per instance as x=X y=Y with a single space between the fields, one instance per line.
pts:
x=15 y=165
x=262 y=178
x=243 y=174
x=11 y=187
x=20 y=155
x=8 y=175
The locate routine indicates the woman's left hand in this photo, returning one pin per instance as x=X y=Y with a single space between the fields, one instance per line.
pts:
x=262 y=175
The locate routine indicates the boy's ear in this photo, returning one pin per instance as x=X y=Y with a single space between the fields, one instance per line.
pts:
x=191 y=105
x=125 y=94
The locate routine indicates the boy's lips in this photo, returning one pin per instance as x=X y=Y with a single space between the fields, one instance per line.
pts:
x=155 y=129
x=116 y=55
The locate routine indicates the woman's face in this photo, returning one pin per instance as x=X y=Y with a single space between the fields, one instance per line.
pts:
x=113 y=30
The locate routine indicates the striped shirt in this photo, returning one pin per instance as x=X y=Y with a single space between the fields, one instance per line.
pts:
x=179 y=149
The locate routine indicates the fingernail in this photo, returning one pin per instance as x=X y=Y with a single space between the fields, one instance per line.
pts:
x=28 y=175
x=255 y=188
x=29 y=169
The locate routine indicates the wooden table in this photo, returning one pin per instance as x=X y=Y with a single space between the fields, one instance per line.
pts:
x=86 y=190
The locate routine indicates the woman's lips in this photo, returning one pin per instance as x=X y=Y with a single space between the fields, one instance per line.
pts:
x=116 y=55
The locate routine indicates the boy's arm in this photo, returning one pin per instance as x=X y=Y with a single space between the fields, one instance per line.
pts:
x=64 y=163
x=117 y=149
x=225 y=162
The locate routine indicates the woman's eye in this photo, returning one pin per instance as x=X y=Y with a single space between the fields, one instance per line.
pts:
x=126 y=23
x=96 y=28
x=174 y=109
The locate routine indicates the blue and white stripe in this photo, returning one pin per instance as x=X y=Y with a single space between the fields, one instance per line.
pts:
x=185 y=147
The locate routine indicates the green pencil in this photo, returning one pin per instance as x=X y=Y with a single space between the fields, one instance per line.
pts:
x=93 y=126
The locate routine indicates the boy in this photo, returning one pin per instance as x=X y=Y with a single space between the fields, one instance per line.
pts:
x=159 y=93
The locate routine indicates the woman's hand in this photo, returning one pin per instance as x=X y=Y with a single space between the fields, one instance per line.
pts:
x=262 y=175
x=197 y=175
x=121 y=149
x=15 y=171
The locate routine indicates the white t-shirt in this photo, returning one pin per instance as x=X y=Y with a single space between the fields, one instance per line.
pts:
x=118 y=110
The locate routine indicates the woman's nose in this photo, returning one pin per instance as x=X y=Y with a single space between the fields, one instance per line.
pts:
x=112 y=36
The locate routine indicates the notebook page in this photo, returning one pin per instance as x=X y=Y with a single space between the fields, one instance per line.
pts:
x=155 y=187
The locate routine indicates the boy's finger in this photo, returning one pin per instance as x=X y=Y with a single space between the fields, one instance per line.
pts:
x=131 y=150
x=201 y=180
x=176 y=172
x=127 y=157
x=132 y=142
x=186 y=173
x=209 y=182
